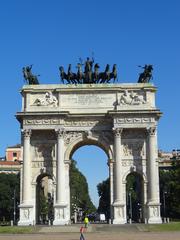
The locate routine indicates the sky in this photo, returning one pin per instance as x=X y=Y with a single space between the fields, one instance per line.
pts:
x=129 y=33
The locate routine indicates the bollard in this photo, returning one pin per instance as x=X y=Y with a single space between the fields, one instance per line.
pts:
x=11 y=222
x=49 y=222
x=145 y=221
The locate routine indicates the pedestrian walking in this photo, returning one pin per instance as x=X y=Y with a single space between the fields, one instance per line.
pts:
x=81 y=233
x=86 y=221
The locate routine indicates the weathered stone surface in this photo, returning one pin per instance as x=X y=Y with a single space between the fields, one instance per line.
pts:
x=119 y=118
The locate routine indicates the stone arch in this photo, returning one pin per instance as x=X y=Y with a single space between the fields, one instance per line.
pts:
x=38 y=174
x=140 y=173
x=81 y=141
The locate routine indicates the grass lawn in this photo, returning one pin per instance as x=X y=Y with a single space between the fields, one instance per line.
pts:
x=172 y=226
x=16 y=229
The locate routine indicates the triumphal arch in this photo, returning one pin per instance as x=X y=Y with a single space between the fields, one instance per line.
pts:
x=119 y=118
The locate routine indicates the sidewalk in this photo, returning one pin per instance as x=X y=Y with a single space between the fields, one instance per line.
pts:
x=95 y=236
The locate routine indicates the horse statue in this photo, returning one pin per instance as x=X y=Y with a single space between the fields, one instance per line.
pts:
x=63 y=75
x=69 y=77
x=28 y=76
x=80 y=75
x=145 y=76
x=96 y=73
x=113 y=74
x=105 y=76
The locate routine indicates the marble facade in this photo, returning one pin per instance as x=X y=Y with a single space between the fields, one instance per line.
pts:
x=120 y=118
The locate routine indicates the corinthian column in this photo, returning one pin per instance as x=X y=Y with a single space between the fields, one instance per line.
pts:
x=152 y=165
x=118 y=165
x=61 y=216
x=26 y=188
x=119 y=204
x=153 y=178
x=60 y=168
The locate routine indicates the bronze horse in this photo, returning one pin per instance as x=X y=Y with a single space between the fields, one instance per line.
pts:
x=28 y=76
x=146 y=76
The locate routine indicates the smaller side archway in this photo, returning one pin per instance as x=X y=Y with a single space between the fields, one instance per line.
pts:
x=44 y=198
x=135 y=197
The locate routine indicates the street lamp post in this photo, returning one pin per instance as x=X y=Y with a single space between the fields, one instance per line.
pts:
x=164 y=205
x=130 y=207
x=14 y=204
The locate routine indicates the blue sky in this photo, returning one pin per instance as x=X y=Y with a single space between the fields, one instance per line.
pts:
x=126 y=32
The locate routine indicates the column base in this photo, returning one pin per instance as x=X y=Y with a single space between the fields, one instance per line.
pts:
x=61 y=214
x=154 y=213
x=119 y=213
x=26 y=215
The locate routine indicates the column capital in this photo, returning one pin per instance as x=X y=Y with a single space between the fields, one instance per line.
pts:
x=152 y=131
x=26 y=133
x=117 y=131
x=60 y=132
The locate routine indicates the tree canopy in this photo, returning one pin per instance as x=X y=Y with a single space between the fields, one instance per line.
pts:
x=104 y=200
x=9 y=186
x=79 y=191
x=170 y=191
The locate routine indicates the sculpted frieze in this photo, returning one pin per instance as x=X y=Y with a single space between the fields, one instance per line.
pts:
x=71 y=136
x=131 y=98
x=43 y=121
x=87 y=123
x=47 y=100
x=44 y=151
x=133 y=149
x=133 y=163
x=42 y=164
x=133 y=120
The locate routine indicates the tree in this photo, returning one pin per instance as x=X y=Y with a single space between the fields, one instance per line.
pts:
x=79 y=191
x=104 y=194
x=8 y=183
x=170 y=191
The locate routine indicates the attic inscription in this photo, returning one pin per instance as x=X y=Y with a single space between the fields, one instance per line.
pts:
x=87 y=100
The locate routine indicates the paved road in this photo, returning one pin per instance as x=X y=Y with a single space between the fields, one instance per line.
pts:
x=94 y=236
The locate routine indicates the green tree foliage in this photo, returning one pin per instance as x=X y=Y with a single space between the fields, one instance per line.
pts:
x=79 y=191
x=170 y=191
x=8 y=183
x=104 y=194
x=43 y=205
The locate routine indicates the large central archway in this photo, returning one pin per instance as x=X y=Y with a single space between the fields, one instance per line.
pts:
x=121 y=119
x=92 y=161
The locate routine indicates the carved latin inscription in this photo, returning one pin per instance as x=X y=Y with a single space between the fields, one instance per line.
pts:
x=86 y=100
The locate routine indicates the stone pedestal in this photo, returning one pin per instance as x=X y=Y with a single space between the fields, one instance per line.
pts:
x=27 y=215
x=60 y=215
x=154 y=213
x=119 y=213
